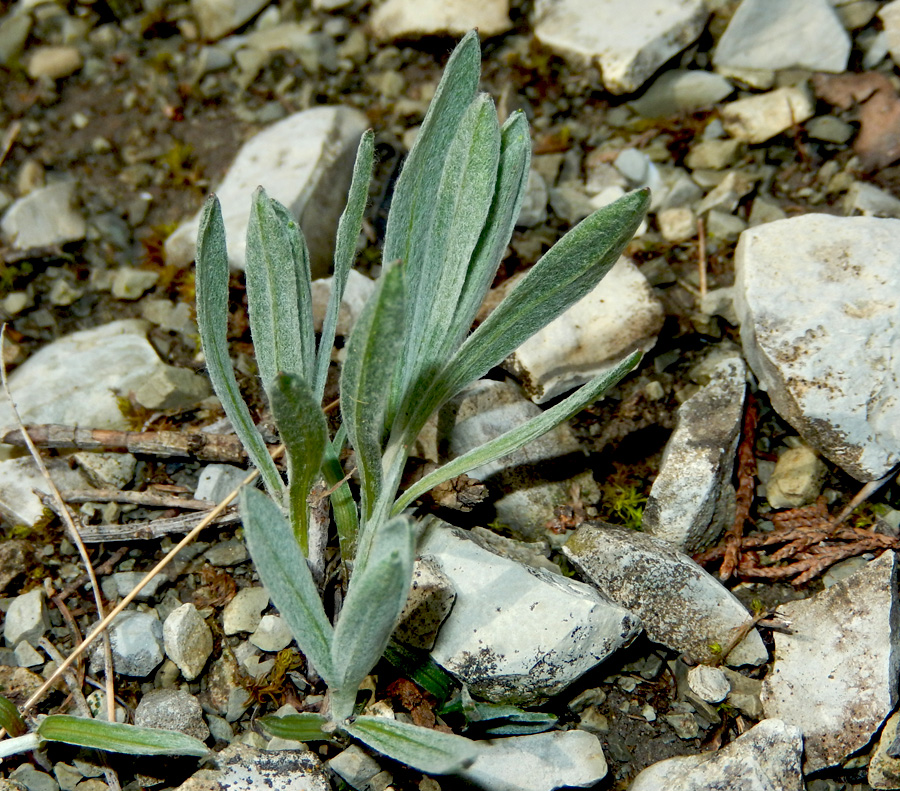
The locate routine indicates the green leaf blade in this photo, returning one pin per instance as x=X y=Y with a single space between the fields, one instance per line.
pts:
x=10 y=718
x=521 y=435
x=428 y=751
x=212 y=321
x=349 y=227
x=118 y=738
x=283 y=570
x=377 y=594
x=305 y=727
x=304 y=433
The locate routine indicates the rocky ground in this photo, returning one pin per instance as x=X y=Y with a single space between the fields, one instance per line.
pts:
x=763 y=289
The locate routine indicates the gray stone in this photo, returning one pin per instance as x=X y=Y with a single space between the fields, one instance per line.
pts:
x=884 y=765
x=870 y=201
x=27 y=618
x=137 y=644
x=681 y=91
x=529 y=553
x=430 y=600
x=539 y=762
x=74 y=381
x=570 y=203
x=305 y=161
x=628 y=39
x=534 y=206
x=169 y=316
x=243 y=768
x=44 y=218
x=763 y=211
x=796 y=479
x=120 y=584
x=357 y=291
x=720 y=225
x=14 y=32
x=227 y=553
x=401 y=19
x=692 y=499
x=107 y=470
x=130 y=284
x=173 y=710
x=67 y=776
x=217 y=481
x=829 y=129
x=709 y=683
x=784 y=34
x=26 y=656
x=271 y=634
x=188 y=640
x=518 y=634
x=840 y=571
x=765 y=758
x=835 y=676
x=713 y=154
x=684 y=724
x=680 y=605
x=619 y=316
x=217 y=18
x=19 y=478
x=172 y=388
x=727 y=194
x=54 y=63
x=244 y=611
x=745 y=694
x=32 y=779
x=757 y=119
x=890 y=18
x=355 y=766
x=823 y=353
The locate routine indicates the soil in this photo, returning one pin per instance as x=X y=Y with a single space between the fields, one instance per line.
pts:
x=146 y=139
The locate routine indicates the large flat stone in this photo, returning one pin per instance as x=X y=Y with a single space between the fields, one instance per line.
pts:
x=818 y=298
x=398 y=19
x=680 y=605
x=519 y=634
x=835 y=676
x=305 y=161
x=628 y=39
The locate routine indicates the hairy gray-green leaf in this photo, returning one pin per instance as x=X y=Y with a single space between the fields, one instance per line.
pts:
x=515 y=438
x=272 y=296
x=304 y=433
x=282 y=569
x=378 y=591
x=348 y=231
x=372 y=354
x=117 y=737
x=212 y=320
x=429 y=751
x=565 y=274
x=305 y=727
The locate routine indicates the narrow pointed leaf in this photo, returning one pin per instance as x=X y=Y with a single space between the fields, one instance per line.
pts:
x=378 y=591
x=305 y=727
x=10 y=718
x=118 y=737
x=372 y=355
x=566 y=273
x=304 y=433
x=429 y=751
x=212 y=320
x=272 y=294
x=521 y=435
x=283 y=570
x=418 y=666
x=348 y=232
x=343 y=506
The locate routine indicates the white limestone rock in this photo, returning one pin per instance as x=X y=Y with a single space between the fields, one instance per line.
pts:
x=217 y=481
x=19 y=478
x=870 y=201
x=305 y=161
x=884 y=765
x=835 y=676
x=534 y=206
x=692 y=499
x=188 y=640
x=796 y=479
x=539 y=762
x=217 y=18
x=817 y=299
x=682 y=91
x=107 y=470
x=765 y=758
x=518 y=634
x=889 y=14
x=244 y=612
x=271 y=634
x=619 y=316
x=357 y=291
x=173 y=710
x=709 y=683
x=43 y=218
x=431 y=597
x=393 y=19
x=680 y=605
x=759 y=118
x=27 y=618
x=628 y=39
x=74 y=381
x=784 y=34
x=137 y=644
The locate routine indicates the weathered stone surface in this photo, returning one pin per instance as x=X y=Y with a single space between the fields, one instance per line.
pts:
x=27 y=618
x=539 y=762
x=679 y=604
x=53 y=62
x=765 y=758
x=271 y=634
x=394 y=19
x=43 y=218
x=619 y=316
x=796 y=479
x=244 y=611
x=357 y=291
x=243 y=768
x=823 y=353
x=431 y=597
x=305 y=161
x=137 y=644
x=835 y=676
x=188 y=640
x=518 y=634
x=682 y=91
x=884 y=765
x=784 y=34
x=629 y=39
x=217 y=18
x=174 y=710
x=709 y=683
x=19 y=478
x=692 y=500
x=759 y=118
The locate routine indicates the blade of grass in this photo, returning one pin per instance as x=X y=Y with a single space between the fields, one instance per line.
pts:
x=343 y=506
x=212 y=320
x=305 y=727
x=118 y=737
